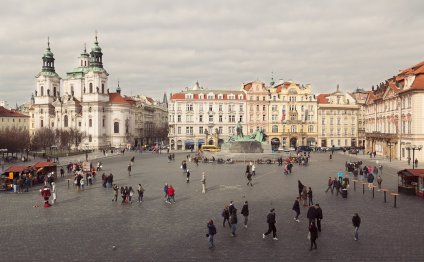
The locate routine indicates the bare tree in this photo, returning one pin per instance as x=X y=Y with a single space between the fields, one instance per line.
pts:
x=76 y=137
x=43 y=138
x=15 y=140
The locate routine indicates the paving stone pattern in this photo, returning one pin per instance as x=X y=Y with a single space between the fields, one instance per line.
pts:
x=85 y=225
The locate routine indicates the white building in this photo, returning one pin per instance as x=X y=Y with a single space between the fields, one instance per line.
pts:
x=85 y=103
x=200 y=116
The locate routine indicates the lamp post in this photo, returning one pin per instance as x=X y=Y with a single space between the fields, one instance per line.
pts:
x=413 y=148
x=389 y=144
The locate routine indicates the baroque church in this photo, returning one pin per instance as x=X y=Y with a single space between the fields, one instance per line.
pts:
x=82 y=101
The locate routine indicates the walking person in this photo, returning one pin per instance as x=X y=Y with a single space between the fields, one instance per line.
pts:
x=171 y=194
x=203 y=183
x=249 y=179
x=140 y=192
x=233 y=221
x=300 y=186
x=304 y=196
x=115 y=192
x=379 y=181
x=313 y=235
x=270 y=219
x=82 y=184
x=165 y=190
x=370 y=180
x=312 y=214
x=296 y=208
x=129 y=169
x=54 y=193
x=310 y=201
x=245 y=213
x=330 y=185
x=319 y=216
x=226 y=215
x=130 y=194
x=356 y=221
x=62 y=172
x=211 y=233
x=188 y=176
x=253 y=170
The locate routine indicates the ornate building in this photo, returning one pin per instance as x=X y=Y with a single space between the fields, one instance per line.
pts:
x=360 y=96
x=106 y=118
x=200 y=116
x=394 y=118
x=337 y=120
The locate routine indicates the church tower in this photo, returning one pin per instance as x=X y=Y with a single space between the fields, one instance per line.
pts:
x=47 y=89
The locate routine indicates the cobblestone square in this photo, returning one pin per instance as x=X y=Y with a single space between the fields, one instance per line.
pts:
x=85 y=225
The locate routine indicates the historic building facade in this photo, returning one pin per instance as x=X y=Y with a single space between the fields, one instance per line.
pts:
x=394 y=115
x=337 y=120
x=360 y=96
x=201 y=116
x=12 y=119
x=293 y=110
x=83 y=101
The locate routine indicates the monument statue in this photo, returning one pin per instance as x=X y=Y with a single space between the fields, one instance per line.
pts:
x=259 y=135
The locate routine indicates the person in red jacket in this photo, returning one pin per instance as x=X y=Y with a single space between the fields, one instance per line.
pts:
x=46 y=193
x=171 y=194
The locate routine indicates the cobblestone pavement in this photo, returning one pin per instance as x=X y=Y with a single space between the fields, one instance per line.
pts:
x=84 y=226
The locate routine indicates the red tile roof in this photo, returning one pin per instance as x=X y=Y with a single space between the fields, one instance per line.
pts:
x=247 y=86
x=418 y=82
x=116 y=98
x=17 y=169
x=10 y=113
x=322 y=98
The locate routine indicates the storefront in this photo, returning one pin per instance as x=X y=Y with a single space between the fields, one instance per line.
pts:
x=411 y=182
x=44 y=168
x=6 y=179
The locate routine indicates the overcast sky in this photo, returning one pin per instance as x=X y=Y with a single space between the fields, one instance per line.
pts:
x=157 y=46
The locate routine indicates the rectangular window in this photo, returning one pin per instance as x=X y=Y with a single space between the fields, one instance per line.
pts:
x=210 y=107
x=263 y=117
x=200 y=129
x=210 y=118
x=189 y=107
x=200 y=118
x=240 y=119
x=241 y=107
x=179 y=118
x=42 y=123
x=179 y=130
x=220 y=130
x=220 y=119
x=103 y=122
x=220 y=108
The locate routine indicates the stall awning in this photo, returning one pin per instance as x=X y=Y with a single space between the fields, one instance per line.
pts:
x=189 y=142
x=411 y=172
x=18 y=169
x=43 y=164
x=201 y=142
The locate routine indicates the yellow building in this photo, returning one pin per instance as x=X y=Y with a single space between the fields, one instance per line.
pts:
x=293 y=115
x=9 y=119
x=337 y=120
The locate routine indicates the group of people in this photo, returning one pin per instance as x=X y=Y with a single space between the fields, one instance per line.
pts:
x=127 y=194
x=305 y=194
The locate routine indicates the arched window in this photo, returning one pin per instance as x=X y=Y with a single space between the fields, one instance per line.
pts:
x=54 y=91
x=42 y=91
x=90 y=89
x=103 y=88
x=116 y=127
x=90 y=122
x=274 y=129
x=65 y=121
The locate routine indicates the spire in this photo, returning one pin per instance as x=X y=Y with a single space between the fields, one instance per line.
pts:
x=96 y=54
x=337 y=87
x=165 y=98
x=118 y=89
x=48 y=59
x=272 y=83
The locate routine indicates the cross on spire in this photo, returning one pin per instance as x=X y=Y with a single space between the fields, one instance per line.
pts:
x=96 y=35
x=48 y=42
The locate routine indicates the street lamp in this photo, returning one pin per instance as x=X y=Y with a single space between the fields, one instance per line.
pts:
x=390 y=144
x=413 y=148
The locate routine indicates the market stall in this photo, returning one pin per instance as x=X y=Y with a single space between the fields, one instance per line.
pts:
x=44 y=169
x=6 y=179
x=411 y=181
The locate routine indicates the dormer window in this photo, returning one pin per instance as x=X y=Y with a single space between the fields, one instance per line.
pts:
x=220 y=96
x=211 y=97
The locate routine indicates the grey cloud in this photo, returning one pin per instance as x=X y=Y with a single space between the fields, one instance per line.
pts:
x=158 y=46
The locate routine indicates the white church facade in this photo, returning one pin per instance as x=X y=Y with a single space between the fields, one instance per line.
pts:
x=82 y=101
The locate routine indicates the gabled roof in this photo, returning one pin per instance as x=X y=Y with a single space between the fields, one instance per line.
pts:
x=43 y=164
x=322 y=99
x=18 y=169
x=10 y=113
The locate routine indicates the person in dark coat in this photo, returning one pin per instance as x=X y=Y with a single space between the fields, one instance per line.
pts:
x=233 y=221
x=245 y=213
x=300 y=187
x=313 y=235
x=319 y=216
x=310 y=201
x=312 y=214
x=356 y=221
x=211 y=233
x=270 y=219
x=226 y=215
x=296 y=208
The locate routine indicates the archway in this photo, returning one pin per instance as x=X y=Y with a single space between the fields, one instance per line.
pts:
x=275 y=143
x=179 y=145
x=189 y=144
x=293 y=142
x=172 y=144
x=210 y=142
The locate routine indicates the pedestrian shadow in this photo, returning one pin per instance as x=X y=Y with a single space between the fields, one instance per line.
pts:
x=213 y=188
x=69 y=200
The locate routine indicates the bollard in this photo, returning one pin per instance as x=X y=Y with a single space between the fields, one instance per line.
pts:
x=373 y=192
x=363 y=189
x=68 y=183
x=395 y=201
x=384 y=196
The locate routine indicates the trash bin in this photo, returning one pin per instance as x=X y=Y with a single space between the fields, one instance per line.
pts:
x=344 y=193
